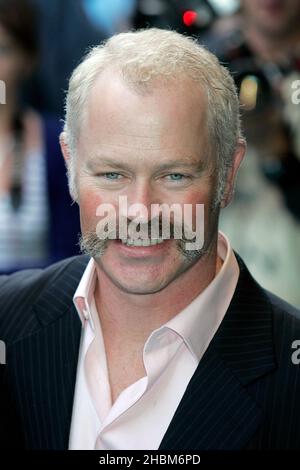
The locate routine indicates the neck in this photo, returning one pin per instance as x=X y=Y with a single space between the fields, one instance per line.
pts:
x=131 y=318
x=271 y=47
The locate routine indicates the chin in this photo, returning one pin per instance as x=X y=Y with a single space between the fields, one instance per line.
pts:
x=141 y=276
x=138 y=281
x=140 y=285
x=140 y=289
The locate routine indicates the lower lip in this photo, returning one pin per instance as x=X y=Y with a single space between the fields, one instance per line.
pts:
x=141 y=251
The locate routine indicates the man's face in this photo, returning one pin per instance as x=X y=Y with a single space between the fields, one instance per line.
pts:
x=273 y=17
x=152 y=148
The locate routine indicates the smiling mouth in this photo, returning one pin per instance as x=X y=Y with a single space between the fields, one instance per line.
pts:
x=142 y=242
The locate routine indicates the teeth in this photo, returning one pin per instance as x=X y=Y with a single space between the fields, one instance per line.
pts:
x=140 y=242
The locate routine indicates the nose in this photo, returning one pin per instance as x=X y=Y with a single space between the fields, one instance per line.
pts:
x=139 y=197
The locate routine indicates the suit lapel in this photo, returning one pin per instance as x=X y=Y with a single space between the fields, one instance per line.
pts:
x=46 y=361
x=217 y=411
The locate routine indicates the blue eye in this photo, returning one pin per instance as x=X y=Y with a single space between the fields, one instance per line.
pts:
x=176 y=176
x=112 y=175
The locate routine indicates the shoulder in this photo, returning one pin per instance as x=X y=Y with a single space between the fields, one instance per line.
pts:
x=34 y=279
x=259 y=298
x=21 y=290
x=286 y=324
x=286 y=317
x=283 y=308
x=277 y=321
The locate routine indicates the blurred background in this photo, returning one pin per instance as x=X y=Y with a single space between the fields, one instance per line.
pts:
x=258 y=40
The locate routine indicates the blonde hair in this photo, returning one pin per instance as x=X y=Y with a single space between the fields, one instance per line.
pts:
x=140 y=56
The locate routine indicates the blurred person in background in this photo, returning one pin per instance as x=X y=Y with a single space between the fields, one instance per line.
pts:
x=66 y=30
x=261 y=45
x=37 y=223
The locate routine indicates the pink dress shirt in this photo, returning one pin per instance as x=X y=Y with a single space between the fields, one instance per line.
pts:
x=141 y=414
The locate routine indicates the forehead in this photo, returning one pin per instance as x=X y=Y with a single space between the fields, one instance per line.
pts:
x=111 y=97
x=166 y=118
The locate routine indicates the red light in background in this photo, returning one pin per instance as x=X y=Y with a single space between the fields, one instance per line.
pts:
x=189 y=17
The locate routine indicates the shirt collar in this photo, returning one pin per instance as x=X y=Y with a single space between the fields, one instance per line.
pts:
x=198 y=322
x=84 y=293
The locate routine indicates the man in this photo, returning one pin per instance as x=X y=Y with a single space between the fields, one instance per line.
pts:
x=150 y=342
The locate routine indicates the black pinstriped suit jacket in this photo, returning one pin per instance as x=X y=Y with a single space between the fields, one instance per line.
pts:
x=245 y=393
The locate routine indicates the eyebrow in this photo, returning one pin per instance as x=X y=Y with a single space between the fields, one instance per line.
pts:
x=98 y=160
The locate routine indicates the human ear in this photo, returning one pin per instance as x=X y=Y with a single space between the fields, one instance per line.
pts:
x=232 y=173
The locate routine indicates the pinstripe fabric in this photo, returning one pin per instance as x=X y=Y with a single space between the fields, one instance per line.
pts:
x=245 y=393
x=42 y=334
